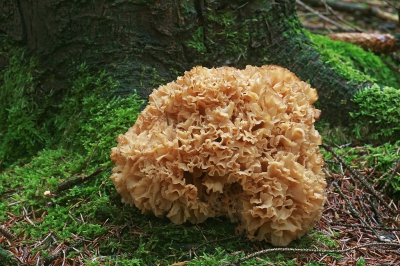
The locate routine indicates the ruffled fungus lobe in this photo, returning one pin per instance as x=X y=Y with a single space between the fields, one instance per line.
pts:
x=236 y=143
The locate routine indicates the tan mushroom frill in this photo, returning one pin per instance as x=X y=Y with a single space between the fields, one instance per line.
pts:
x=227 y=142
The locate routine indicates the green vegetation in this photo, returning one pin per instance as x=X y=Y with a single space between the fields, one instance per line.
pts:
x=235 y=40
x=361 y=262
x=353 y=62
x=29 y=123
x=39 y=151
x=375 y=119
x=92 y=212
x=377 y=115
x=198 y=41
x=90 y=216
x=380 y=158
x=223 y=38
x=21 y=133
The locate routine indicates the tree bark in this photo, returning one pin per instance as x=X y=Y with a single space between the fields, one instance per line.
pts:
x=143 y=43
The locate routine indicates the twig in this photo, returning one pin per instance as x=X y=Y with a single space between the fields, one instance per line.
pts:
x=65 y=252
x=366 y=10
x=360 y=201
x=166 y=115
x=328 y=8
x=26 y=216
x=368 y=222
x=15 y=203
x=327 y=251
x=373 y=170
x=72 y=182
x=394 y=171
x=320 y=15
x=374 y=209
x=360 y=178
x=391 y=65
x=365 y=227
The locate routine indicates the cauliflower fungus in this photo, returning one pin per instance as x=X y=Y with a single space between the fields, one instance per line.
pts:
x=227 y=142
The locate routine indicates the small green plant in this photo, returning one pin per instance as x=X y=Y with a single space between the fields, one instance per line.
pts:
x=377 y=115
x=325 y=239
x=227 y=34
x=361 y=262
x=198 y=41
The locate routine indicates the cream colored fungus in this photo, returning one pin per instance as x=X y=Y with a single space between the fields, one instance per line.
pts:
x=236 y=143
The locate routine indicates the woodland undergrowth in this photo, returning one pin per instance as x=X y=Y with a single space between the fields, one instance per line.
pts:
x=59 y=207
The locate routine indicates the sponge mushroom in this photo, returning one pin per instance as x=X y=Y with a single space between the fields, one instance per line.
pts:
x=227 y=142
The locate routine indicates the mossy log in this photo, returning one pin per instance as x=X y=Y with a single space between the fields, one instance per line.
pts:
x=143 y=44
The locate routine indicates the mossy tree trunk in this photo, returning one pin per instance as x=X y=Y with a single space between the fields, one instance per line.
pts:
x=145 y=43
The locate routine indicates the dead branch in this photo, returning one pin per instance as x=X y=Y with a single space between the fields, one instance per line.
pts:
x=320 y=15
x=374 y=208
x=328 y=8
x=305 y=250
x=394 y=171
x=355 y=8
x=365 y=227
x=78 y=180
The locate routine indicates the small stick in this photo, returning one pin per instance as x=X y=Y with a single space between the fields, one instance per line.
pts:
x=373 y=170
x=320 y=15
x=360 y=201
x=366 y=227
x=65 y=252
x=328 y=8
x=305 y=250
x=166 y=115
x=367 y=217
x=72 y=182
x=394 y=171
x=374 y=209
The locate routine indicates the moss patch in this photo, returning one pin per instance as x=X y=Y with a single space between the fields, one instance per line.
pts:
x=354 y=63
x=21 y=131
x=377 y=114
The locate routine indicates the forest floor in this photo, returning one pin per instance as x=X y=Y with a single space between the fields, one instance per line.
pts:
x=359 y=225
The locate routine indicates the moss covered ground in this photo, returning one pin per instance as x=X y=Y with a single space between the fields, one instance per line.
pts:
x=46 y=221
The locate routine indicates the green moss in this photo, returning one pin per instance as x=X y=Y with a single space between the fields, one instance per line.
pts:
x=220 y=37
x=22 y=133
x=376 y=116
x=88 y=122
x=32 y=120
x=354 y=63
x=338 y=55
x=235 y=40
x=198 y=41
